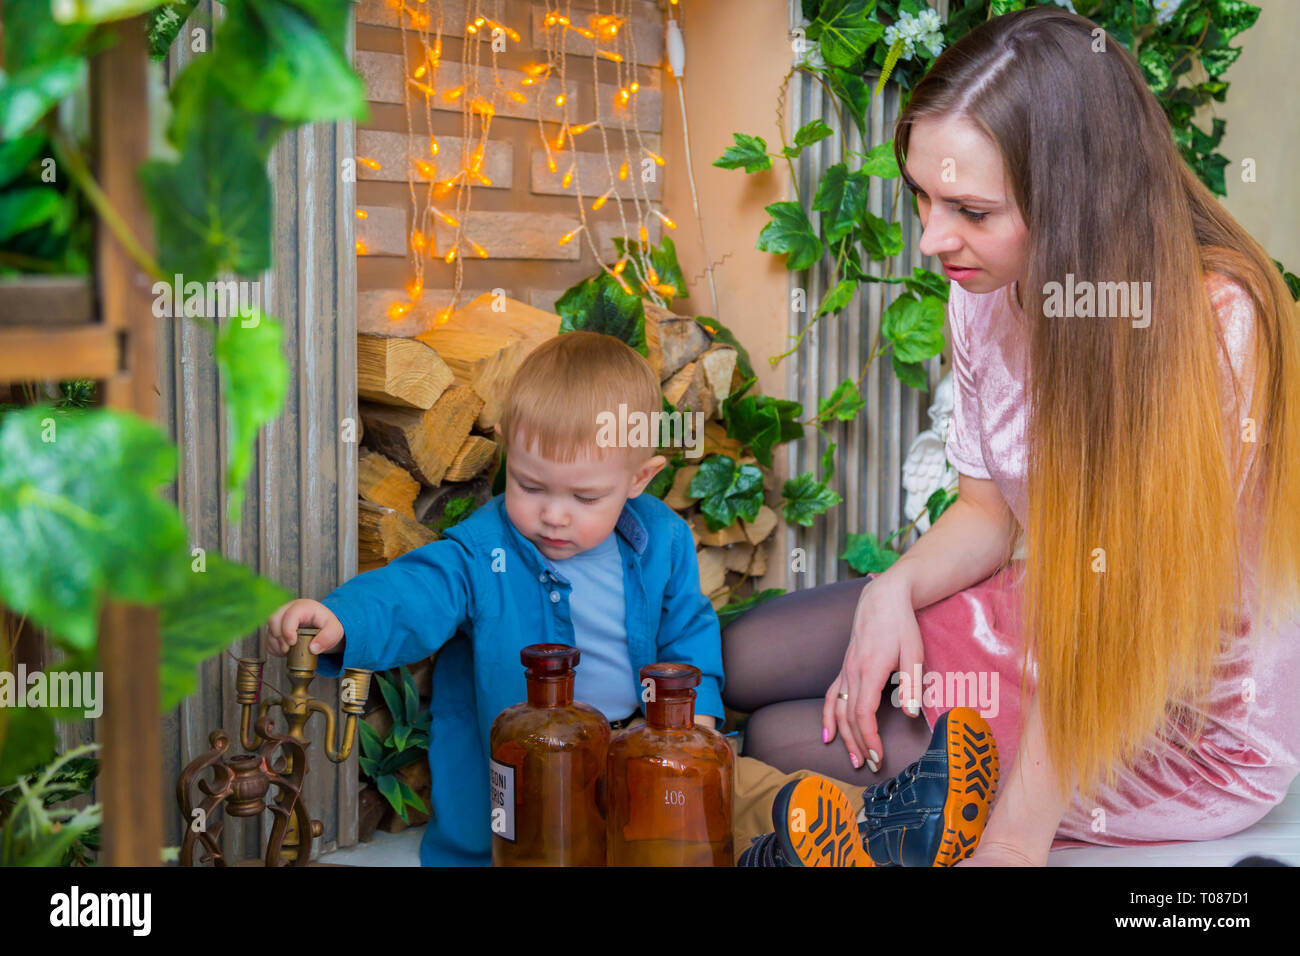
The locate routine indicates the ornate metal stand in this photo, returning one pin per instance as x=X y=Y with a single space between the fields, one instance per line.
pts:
x=241 y=782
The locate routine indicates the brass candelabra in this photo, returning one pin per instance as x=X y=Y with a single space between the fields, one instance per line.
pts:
x=241 y=783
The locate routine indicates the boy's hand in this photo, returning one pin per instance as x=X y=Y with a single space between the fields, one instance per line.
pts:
x=287 y=619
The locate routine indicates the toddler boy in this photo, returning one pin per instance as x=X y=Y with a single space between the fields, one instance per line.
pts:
x=571 y=553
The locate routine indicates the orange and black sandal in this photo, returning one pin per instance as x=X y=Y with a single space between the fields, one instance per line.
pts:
x=934 y=812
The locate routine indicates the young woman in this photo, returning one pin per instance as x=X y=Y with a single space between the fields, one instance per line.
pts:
x=1147 y=649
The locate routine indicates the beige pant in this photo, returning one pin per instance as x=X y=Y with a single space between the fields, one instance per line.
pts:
x=756 y=786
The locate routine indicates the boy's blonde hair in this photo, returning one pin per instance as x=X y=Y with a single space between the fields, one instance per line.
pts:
x=559 y=391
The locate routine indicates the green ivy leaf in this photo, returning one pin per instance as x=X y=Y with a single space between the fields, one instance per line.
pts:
x=27 y=95
x=274 y=58
x=15 y=155
x=911 y=374
x=761 y=421
x=806 y=497
x=165 y=23
x=254 y=379
x=727 y=492
x=791 y=233
x=839 y=296
x=27 y=741
x=880 y=161
x=853 y=91
x=22 y=209
x=81 y=516
x=939 y=502
x=214 y=607
x=923 y=282
x=843 y=404
x=211 y=208
x=828 y=463
x=915 y=327
x=599 y=304
x=866 y=555
x=881 y=239
x=734 y=609
x=663 y=258
x=99 y=11
x=846 y=30
x=749 y=152
x=33 y=37
x=806 y=135
x=842 y=197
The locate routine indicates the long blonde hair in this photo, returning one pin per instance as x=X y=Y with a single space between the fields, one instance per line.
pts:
x=1133 y=575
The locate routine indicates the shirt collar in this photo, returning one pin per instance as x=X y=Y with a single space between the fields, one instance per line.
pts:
x=629 y=525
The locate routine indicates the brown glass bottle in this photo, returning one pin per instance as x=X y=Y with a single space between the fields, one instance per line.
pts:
x=547 y=769
x=670 y=782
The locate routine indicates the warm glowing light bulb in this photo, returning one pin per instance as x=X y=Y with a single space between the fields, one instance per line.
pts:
x=482 y=253
x=600 y=201
x=362 y=214
x=569 y=235
x=667 y=222
x=622 y=171
x=550 y=162
x=653 y=155
x=451 y=255
x=398 y=309
x=417 y=241
x=368 y=163
x=361 y=248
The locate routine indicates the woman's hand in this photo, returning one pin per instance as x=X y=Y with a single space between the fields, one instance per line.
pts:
x=885 y=639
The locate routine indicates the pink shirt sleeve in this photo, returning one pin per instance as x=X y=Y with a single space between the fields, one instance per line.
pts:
x=1236 y=316
x=963 y=442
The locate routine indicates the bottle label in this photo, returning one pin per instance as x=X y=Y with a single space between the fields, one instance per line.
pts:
x=503 y=800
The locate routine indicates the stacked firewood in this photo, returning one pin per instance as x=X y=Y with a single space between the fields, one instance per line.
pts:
x=429 y=405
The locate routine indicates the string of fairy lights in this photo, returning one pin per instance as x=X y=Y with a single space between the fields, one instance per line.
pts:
x=423 y=25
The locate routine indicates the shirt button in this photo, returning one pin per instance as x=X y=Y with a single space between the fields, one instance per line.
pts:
x=555 y=596
x=542 y=577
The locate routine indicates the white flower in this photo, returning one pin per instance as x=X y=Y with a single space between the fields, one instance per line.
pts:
x=1165 y=9
x=920 y=30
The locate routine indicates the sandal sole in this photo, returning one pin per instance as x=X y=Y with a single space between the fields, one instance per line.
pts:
x=816 y=825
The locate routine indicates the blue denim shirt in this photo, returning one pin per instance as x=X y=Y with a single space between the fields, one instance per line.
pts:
x=482 y=594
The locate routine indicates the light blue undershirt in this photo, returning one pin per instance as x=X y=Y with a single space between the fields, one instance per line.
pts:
x=604 y=677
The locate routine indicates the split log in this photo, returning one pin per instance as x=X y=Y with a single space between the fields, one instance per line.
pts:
x=672 y=340
x=423 y=442
x=400 y=371
x=384 y=534
x=384 y=483
x=677 y=496
x=719 y=364
x=689 y=390
x=713 y=568
x=738 y=556
x=431 y=505
x=716 y=441
x=475 y=454
x=731 y=534
x=477 y=331
x=762 y=526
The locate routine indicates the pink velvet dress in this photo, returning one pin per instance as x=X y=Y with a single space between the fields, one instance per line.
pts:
x=1244 y=762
